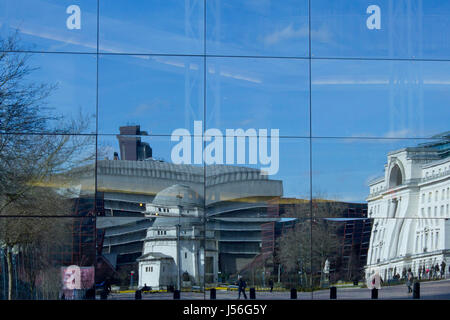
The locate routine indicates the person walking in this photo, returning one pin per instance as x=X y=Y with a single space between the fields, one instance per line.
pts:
x=443 y=269
x=271 y=284
x=241 y=287
x=420 y=272
x=436 y=271
x=409 y=281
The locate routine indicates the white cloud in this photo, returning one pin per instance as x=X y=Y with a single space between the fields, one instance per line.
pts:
x=287 y=33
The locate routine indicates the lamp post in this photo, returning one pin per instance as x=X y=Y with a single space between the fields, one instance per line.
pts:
x=179 y=196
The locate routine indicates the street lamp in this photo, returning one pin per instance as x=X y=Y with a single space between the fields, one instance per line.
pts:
x=179 y=197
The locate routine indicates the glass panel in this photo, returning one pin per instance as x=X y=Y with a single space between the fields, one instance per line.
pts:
x=385 y=99
x=50 y=25
x=248 y=206
x=367 y=253
x=161 y=93
x=397 y=245
x=258 y=93
x=257 y=28
x=340 y=247
x=38 y=256
x=293 y=255
x=161 y=26
x=143 y=191
x=144 y=253
x=374 y=178
x=48 y=93
x=380 y=29
x=47 y=175
x=133 y=169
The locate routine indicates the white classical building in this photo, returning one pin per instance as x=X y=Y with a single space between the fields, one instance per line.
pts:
x=178 y=242
x=410 y=208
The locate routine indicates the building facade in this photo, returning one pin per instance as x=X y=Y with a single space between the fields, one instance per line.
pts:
x=178 y=250
x=410 y=208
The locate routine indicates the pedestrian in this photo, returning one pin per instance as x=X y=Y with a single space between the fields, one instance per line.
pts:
x=420 y=272
x=409 y=282
x=271 y=284
x=436 y=271
x=404 y=273
x=241 y=287
x=443 y=269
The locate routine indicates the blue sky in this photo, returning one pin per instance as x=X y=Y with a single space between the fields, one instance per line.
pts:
x=350 y=98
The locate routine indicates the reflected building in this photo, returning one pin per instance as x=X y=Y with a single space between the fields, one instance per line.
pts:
x=233 y=202
x=410 y=208
x=178 y=243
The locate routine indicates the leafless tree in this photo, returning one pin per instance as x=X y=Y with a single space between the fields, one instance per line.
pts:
x=305 y=247
x=36 y=168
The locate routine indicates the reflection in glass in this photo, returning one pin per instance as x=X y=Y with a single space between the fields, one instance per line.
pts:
x=375 y=169
x=384 y=99
x=397 y=245
x=51 y=25
x=36 y=252
x=258 y=94
x=257 y=28
x=293 y=254
x=248 y=210
x=161 y=93
x=162 y=26
x=48 y=93
x=412 y=29
x=46 y=175
x=240 y=201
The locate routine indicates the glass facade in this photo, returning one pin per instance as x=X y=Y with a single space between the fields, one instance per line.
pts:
x=154 y=147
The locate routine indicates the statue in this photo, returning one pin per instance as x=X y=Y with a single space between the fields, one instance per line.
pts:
x=326 y=268
x=325 y=278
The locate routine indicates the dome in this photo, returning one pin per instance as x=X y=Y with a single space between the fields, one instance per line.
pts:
x=171 y=197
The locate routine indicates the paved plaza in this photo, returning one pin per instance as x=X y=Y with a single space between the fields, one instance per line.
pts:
x=433 y=290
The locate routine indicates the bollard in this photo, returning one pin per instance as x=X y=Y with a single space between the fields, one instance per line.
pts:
x=416 y=290
x=212 y=294
x=374 y=293
x=138 y=295
x=176 y=295
x=333 y=293
x=252 y=293
x=103 y=295
x=293 y=293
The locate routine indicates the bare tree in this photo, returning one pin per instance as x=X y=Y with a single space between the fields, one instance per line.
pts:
x=35 y=167
x=313 y=239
